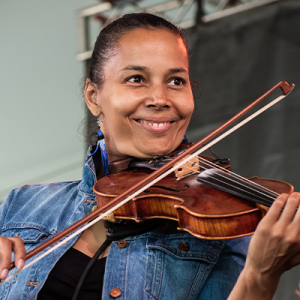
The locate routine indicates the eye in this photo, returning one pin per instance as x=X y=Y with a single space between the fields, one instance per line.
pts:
x=135 y=79
x=177 y=81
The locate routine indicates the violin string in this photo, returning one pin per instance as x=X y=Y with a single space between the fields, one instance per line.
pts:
x=251 y=183
x=261 y=201
x=266 y=202
x=213 y=165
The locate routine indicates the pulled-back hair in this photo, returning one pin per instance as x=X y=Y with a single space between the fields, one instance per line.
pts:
x=105 y=46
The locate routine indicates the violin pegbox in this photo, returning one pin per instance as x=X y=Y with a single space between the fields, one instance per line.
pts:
x=192 y=166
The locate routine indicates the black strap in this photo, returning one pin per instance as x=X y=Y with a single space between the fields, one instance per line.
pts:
x=88 y=268
x=126 y=228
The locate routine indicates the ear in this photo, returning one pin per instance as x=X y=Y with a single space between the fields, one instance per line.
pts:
x=90 y=94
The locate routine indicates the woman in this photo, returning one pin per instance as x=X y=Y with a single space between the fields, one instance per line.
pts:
x=139 y=90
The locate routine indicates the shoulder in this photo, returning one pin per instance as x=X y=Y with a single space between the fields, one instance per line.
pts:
x=41 y=204
x=41 y=194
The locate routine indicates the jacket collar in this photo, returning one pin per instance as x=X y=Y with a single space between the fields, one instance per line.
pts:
x=89 y=177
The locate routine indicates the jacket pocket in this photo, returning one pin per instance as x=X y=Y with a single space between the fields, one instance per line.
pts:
x=30 y=235
x=178 y=267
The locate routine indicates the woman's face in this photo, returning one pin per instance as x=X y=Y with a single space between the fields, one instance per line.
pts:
x=145 y=103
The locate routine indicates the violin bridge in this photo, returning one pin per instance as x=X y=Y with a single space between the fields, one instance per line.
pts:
x=189 y=168
x=110 y=217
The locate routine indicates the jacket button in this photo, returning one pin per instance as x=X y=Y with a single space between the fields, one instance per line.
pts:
x=184 y=247
x=122 y=244
x=115 y=292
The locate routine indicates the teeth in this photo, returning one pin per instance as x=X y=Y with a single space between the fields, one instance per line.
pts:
x=153 y=124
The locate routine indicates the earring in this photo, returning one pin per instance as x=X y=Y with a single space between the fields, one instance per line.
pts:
x=101 y=143
x=104 y=155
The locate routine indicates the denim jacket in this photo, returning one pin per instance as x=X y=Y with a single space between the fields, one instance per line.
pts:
x=150 y=266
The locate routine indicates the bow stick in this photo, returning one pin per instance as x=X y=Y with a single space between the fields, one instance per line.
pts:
x=153 y=177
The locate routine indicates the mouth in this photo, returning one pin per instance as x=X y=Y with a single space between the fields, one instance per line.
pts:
x=157 y=126
x=154 y=124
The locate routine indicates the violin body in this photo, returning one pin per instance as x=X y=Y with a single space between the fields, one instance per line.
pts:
x=200 y=209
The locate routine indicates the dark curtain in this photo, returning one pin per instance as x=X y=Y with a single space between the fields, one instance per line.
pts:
x=235 y=60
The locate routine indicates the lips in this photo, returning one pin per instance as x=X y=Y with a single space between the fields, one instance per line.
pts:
x=158 y=126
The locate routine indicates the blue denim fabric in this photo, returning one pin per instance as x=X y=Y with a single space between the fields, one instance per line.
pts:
x=150 y=266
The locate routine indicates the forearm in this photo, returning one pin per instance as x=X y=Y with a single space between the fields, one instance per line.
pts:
x=253 y=286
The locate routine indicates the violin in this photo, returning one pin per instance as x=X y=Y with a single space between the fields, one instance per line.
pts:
x=206 y=199
x=188 y=197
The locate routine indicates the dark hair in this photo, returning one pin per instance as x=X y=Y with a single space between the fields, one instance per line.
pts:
x=105 y=48
x=109 y=36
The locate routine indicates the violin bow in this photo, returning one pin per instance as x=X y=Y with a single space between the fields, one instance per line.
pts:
x=153 y=177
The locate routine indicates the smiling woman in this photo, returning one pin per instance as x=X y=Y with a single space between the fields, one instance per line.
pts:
x=139 y=89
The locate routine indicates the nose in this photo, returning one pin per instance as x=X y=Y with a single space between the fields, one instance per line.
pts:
x=157 y=98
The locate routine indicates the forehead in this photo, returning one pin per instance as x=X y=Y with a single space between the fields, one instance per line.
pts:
x=146 y=35
x=152 y=47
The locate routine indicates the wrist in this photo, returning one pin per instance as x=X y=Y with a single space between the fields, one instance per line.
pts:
x=262 y=285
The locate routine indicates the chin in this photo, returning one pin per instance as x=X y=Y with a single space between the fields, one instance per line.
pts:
x=160 y=149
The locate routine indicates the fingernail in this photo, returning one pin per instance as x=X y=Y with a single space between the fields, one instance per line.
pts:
x=4 y=273
x=20 y=263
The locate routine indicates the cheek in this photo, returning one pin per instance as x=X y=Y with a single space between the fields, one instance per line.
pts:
x=186 y=109
x=117 y=127
x=117 y=124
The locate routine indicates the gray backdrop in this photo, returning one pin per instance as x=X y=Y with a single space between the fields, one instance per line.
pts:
x=235 y=60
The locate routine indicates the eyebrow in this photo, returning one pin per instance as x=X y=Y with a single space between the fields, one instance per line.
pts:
x=177 y=70
x=135 y=68
x=141 y=68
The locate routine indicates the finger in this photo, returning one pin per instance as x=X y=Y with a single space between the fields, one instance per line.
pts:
x=20 y=252
x=7 y=246
x=297 y=213
x=276 y=208
x=5 y=256
x=290 y=209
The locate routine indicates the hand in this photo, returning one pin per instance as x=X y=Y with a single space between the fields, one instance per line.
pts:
x=7 y=246
x=275 y=246
x=274 y=249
